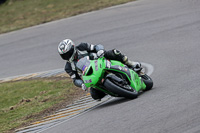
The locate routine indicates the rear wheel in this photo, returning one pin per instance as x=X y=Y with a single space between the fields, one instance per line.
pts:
x=119 y=90
x=148 y=81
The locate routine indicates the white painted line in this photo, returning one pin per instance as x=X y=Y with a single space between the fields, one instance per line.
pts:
x=38 y=74
x=150 y=68
x=75 y=106
x=102 y=102
x=45 y=124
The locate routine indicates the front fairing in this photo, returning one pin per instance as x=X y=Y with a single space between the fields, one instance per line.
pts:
x=91 y=70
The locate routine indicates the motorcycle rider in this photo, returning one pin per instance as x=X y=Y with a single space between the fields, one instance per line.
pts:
x=71 y=53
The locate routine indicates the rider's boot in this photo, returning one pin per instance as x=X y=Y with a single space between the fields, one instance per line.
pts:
x=136 y=66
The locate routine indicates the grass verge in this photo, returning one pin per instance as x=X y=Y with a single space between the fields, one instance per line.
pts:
x=23 y=102
x=18 y=14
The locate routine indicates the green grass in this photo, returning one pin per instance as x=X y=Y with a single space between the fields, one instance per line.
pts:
x=18 y=14
x=43 y=94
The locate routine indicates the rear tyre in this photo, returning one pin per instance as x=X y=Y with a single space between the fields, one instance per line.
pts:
x=121 y=92
x=148 y=82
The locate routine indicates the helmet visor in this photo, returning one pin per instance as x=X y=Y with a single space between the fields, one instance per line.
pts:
x=68 y=55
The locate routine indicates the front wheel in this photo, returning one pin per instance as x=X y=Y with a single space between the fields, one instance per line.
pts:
x=148 y=81
x=112 y=87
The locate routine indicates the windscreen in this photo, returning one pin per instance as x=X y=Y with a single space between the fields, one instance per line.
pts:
x=83 y=64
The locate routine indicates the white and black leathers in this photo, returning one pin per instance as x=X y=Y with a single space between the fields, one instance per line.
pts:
x=82 y=50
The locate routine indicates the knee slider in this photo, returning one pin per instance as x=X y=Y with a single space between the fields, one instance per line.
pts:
x=116 y=52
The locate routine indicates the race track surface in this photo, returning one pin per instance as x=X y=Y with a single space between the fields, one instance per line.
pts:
x=164 y=33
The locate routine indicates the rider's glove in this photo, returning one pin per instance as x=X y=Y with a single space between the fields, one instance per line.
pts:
x=100 y=53
x=84 y=87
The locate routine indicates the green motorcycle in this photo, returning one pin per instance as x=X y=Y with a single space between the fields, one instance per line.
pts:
x=113 y=77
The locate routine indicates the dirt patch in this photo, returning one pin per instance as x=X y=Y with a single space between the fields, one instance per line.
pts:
x=69 y=100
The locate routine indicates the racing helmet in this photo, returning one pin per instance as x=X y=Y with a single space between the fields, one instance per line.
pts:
x=66 y=49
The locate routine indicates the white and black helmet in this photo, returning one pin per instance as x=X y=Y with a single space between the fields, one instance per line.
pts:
x=66 y=49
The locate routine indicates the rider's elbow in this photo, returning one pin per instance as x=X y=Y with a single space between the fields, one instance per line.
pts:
x=78 y=82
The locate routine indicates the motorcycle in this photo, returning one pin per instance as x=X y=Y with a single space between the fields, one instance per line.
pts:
x=113 y=77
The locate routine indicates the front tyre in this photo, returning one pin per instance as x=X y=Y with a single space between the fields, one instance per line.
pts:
x=148 y=81
x=112 y=87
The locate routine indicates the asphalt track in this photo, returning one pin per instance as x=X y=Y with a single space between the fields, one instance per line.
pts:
x=165 y=34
